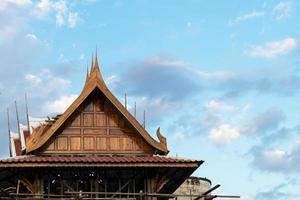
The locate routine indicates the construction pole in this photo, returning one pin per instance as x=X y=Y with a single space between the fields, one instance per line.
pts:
x=9 y=136
x=134 y=109
x=27 y=113
x=144 y=123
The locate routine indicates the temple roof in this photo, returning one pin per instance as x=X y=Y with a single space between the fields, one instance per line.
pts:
x=94 y=80
x=107 y=161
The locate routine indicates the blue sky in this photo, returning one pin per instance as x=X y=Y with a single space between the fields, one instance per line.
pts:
x=221 y=79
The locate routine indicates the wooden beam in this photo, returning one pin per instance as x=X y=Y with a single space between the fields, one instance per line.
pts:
x=121 y=188
x=26 y=183
x=206 y=193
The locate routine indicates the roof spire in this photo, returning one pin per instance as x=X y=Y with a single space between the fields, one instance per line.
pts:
x=92 y=65
x=96 y=59
x=87 y=74
x=95 y=71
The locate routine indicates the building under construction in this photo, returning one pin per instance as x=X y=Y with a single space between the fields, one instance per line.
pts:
x=95 y=150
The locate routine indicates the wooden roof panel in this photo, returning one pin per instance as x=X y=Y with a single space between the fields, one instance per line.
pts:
x=94 y=81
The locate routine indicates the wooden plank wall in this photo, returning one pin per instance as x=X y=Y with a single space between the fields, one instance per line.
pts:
x=97 y=128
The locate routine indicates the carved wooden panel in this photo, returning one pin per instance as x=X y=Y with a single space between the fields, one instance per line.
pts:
x=76 y=121
x=71 y=131
x=51 y=146
x=100 y=119
x=89 y=107
x=88 y=143
x=113 y=120
x=62 y=143
x=99 y=105
x=114 y=143
x=101 y=143
x=138 y=144
x=94 y=131
x=127 y=143
x=75 y=143
x=96 y=127
x=116 y=132
x=88 y=119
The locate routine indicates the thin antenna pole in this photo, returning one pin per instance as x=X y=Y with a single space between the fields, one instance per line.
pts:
x=9 y=136
x=18 y=120
x=134 y=109
x=126 y=101
x=144 y=119
x=27 y=113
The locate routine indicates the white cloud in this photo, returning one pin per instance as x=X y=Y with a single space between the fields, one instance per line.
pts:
x=8 y=31
x=165 y=61
x=217 y=106
x=220 y=75
x=43 y=8
x=224 y=134
x=61 y=104
x=82 y=56
x=63 y=15
x=73 y=19
x=274 y=156
x=61 y=12
x=274 y=48
x=271 y=159
x=178 y=136
x=282 y=10
x=45 y=79
x=18 y=3
x=111 y=79
x=277 y=160
x=32 y=78
x=32 y=36
x=246 y=16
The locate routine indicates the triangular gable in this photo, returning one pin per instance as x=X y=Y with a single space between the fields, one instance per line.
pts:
x=95 y=81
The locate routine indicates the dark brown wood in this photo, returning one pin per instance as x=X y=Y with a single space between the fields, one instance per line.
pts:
x=96 y=127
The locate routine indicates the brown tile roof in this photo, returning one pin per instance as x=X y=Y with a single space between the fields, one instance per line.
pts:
x=95 y=161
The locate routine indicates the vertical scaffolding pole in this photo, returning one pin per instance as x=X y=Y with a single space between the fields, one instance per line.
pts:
x=9 y=136
x=134 y=109
x=18 y=120
x=144 y=119
x=27 y=114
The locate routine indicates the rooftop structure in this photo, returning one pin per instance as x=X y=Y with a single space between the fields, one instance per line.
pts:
x=95 y=148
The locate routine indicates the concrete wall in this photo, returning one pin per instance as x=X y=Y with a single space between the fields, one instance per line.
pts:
x=194 y=186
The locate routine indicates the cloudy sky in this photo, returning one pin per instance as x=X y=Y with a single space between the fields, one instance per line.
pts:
x=222 y=80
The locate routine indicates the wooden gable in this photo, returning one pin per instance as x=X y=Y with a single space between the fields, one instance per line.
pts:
x=96 y=122
x=96 y=127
